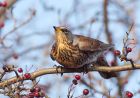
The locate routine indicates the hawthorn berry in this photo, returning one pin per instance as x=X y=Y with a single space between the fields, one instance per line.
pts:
x=31 y=95
x=27 y=75
x=117 y=52
x=20 y=70
x=112 y=63
x=4 y=4
x=74 y=81
x=37 y=89
x=126 y=81
x=85 y=91
x=129 y=49
x=1 y=25
x=129 y=94
x=36 y=94
x=15 y=55
x=77 y=77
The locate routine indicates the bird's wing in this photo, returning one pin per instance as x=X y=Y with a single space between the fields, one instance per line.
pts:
x=90 y=44
x=53 y=50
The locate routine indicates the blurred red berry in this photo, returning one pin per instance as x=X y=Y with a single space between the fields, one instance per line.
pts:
x=1 y=25
x=129 y=94
x=74 y=81
x=129 y=49
x=112 y=63
x=77 y=77
x=31 y=95
x=100 y=58
x=4 y=4
x=37 y=89
x=117 y=52
x=20 y=70
x=85 y=91
x=1 y=4
x=126 y=81
x=36 y=94
x=15 y=55
x=27 y=75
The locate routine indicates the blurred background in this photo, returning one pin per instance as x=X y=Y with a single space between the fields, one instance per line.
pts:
x=27 y=37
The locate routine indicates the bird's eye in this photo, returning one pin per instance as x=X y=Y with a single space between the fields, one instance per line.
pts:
x=65 y=30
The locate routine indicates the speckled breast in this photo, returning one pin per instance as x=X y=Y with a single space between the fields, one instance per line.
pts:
x=72 y=57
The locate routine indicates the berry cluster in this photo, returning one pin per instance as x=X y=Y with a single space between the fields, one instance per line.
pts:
x=75 y=82
x=3 y=4
x=36 y=92
x=26 y=75
x=123 y=56
x=77 y=77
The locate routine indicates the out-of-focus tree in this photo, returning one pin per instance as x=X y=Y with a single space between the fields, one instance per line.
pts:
x=27 y=35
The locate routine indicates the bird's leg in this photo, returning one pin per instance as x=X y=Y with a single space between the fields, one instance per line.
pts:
x=57 y=67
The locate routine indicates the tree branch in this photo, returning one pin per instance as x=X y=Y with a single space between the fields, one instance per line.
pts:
x=45 y=71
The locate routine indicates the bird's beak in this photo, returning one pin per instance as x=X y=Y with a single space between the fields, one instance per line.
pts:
x=54 y=28
x=57 y=29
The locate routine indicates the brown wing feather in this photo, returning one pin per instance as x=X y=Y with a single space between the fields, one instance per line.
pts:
x=90 y=44
x=53 y=52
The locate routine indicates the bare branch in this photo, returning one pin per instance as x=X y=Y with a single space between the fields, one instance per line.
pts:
x=45 y=71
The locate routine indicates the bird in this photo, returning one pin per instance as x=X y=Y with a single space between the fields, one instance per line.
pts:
x=76 y=51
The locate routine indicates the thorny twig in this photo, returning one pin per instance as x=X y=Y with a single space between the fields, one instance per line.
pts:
x=20 y=25
x=123 y=57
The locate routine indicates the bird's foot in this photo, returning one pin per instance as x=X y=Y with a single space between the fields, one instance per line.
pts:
x=57 y=67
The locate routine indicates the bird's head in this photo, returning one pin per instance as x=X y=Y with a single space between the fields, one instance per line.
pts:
x=63 y=35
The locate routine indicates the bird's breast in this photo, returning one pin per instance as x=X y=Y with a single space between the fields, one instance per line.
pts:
x=68 y=56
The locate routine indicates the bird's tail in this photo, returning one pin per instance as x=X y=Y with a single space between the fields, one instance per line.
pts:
x=102 y=62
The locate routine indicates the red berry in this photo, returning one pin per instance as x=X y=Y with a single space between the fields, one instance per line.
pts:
x=77 y=77
x=126 y=81
x=20 y=70
x=100 y=59
x=27 y=75
x=36 y=94
x=1 y=25
x=1 y=4
x=117 y=52
x=129 y=49
x=15 y=55
x=37 y=89
x=31 y=95
x=85 y=91
x=74 y=81
x=112 y=63
x=129 y=94
x=4 y=4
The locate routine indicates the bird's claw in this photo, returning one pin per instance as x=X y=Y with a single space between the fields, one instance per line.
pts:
x=57 y=67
